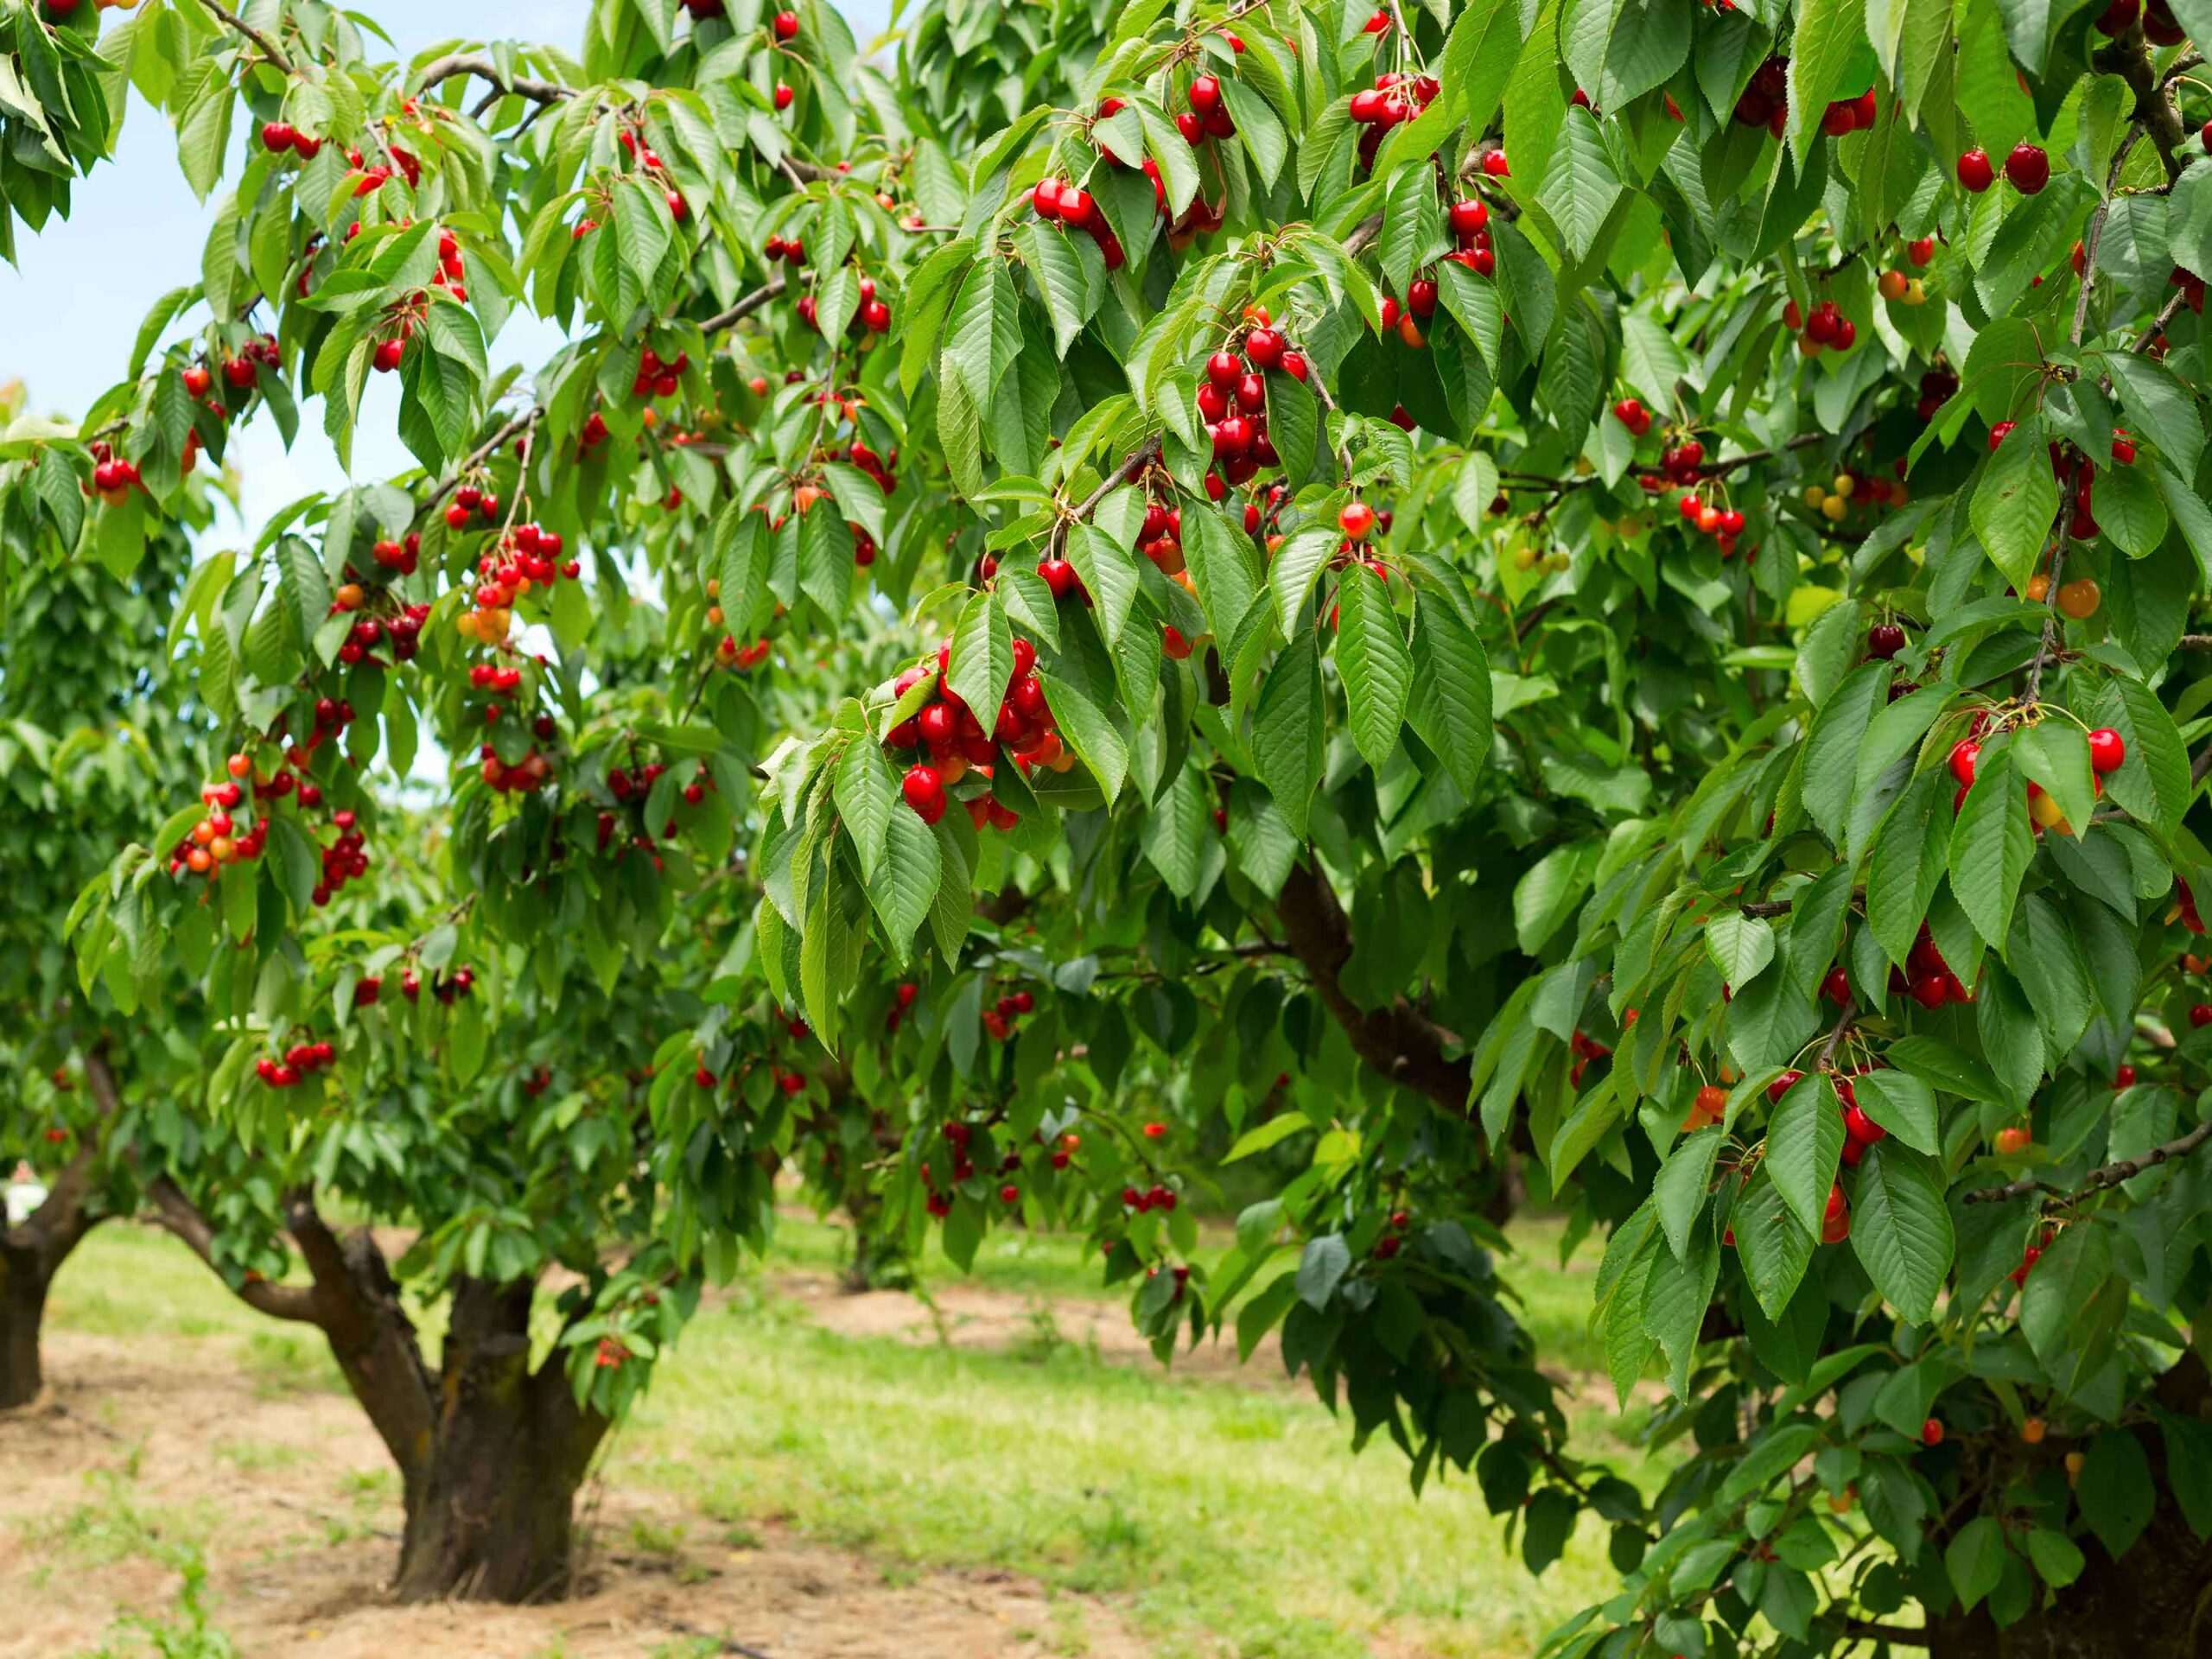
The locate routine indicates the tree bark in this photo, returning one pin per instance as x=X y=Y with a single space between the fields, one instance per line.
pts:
x=30 y=1255
x=490 y=1452
x=1400 y=1041
x=490 y=1510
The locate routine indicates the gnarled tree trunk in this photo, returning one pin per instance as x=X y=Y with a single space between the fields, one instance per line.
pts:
x=490 y=1508
x=31 y=1253
x=490 y=1453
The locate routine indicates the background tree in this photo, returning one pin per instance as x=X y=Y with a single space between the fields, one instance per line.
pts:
x=94 y=735
x=1650 y=675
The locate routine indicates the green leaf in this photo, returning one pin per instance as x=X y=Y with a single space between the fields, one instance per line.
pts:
x=1832 y=747
x=905 y=884
x=1679 y=1189
x=1286 y=731
x=1741 y=946
x=2115 y=1489
x=867 y=793
x=1828 y=33
x=1478 y=58
x=1991 y=845
x=982 y=331
x=1452 y=713
x=2015 y=506
x=982 y=655
x=1775 y=1246
x=1903 y=1104
x=2158 y=407
x=2068 y=1275
x=1901 y=1229
x=1373 y=658
x=1804 y=1142
x=1580 y=185
x=1086 y=730
x=1976 y=1559
x=825 y=559
x=1292 y=567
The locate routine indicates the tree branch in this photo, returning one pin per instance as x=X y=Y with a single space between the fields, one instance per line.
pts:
x=182 y=1216
x=455 y=64
x=1400 y=1041
x=772 y=289
x=2098 y=1179
x=233 y=21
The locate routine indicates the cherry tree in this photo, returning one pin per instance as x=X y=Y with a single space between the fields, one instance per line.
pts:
x=1534 y=602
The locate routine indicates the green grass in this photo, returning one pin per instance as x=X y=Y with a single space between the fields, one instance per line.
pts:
x=1222 y=1518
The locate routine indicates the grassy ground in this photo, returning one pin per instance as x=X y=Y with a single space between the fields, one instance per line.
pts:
x=1228 y=1519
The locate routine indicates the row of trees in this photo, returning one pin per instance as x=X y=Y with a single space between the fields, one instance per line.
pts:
x=1574 y=603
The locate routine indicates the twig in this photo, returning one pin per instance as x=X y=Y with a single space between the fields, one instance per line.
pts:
x=476 y=458
x=2109 y=1175
x=1142 y=456
x=1836 y=1035
x=475 y=63
x=771 y=290
x=233 y=21
x=2050 y=646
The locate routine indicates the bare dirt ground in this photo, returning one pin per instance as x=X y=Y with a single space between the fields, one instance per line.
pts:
x=292 y=1500
x=974 y=1316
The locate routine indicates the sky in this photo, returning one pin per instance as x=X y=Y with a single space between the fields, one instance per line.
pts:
x=80 y=289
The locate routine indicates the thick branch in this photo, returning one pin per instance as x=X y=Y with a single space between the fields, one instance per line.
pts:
x=1399 y=1042
x=2109 y=1175
x=182 y=1216
x=475 y=63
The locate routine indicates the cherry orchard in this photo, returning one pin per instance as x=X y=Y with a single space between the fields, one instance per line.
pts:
x=1506 y=664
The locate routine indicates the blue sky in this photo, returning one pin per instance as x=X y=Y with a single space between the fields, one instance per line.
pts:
x=80 y=289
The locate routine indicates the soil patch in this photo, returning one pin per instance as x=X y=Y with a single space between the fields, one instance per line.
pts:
x=976 y=1316
x=288 y=1494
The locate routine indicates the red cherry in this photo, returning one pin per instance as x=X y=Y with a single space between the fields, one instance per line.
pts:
x=2108 y=749
x=786 y=25
x=2027 y=168
x=923 y=789
x=1355 y=519
x=1976 y=173
x=1263 y=348
x=1205 y=95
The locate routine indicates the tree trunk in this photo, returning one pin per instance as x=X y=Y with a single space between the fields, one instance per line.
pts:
x=23 y=1280
x=877 y=1262
x=490 y=1508
x=30 y=1255
x=490 y=1452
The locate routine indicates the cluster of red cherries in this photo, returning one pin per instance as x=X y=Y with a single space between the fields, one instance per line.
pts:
x=956 y=739
x=1766 y=102
x=1002 y=1017
x=1063 y=202
x=300 y=1061
x=368 y=990
x=1823 y=328
x=1393 y=99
